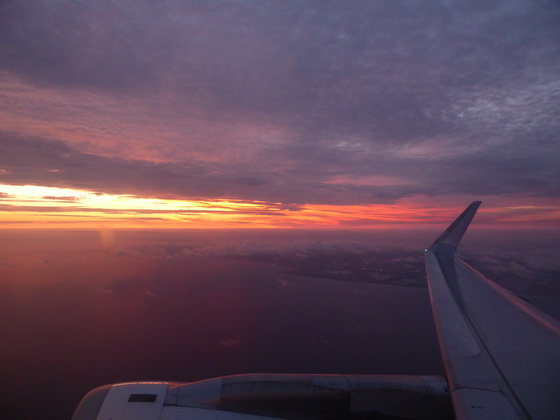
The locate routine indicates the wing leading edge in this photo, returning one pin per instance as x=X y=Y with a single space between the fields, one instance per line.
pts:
x=501 y=355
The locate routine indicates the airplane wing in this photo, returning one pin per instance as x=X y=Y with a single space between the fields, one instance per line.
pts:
x=501 y=355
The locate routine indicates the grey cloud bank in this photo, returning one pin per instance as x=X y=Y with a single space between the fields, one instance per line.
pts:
x=452 y=97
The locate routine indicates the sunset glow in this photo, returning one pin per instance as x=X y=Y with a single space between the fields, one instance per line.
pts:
x=289 y=115
x=32 y=206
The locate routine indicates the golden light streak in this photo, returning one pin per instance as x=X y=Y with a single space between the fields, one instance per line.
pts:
x=32 y=206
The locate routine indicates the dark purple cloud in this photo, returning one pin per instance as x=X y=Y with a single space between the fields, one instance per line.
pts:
x=67 y=199
x=28 y=160
x=451 y=97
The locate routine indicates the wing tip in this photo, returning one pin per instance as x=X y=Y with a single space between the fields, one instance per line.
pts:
x=451 y=236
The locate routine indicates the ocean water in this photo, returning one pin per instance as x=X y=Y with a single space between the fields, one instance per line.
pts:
x=83 y=309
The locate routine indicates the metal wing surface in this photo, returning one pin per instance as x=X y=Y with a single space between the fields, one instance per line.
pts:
x=501 y=355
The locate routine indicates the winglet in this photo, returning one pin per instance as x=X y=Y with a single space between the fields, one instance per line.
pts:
x=450 y=238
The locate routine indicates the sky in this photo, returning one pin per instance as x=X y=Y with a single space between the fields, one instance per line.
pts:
x=278 y=114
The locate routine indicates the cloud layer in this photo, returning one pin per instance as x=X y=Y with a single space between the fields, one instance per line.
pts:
x=313 y=102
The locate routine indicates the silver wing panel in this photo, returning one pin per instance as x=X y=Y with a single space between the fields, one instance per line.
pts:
x=501 y=355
